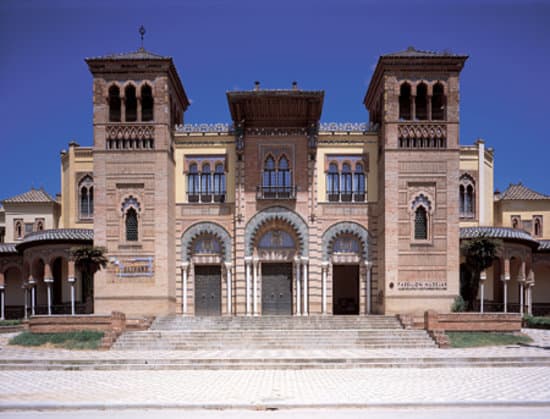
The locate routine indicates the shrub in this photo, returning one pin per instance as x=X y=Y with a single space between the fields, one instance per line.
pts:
x=10 y=322
x=83 y=339
x=537 y=322
x=477 y=339
x=459 y=305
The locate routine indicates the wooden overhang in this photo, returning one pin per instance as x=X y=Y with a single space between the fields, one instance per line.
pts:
x=276 y=108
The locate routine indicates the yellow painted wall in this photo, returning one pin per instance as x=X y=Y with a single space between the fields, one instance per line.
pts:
x=526 y=209
x=75 y=161
x=204 y=145
x=361 y=145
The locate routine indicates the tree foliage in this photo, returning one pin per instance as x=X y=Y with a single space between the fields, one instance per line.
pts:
x=88 y=260
x=479 y=253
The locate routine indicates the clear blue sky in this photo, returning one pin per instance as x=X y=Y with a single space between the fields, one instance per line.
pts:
x=45 y=86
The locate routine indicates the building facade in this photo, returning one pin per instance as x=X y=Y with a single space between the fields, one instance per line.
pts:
x=276 y=213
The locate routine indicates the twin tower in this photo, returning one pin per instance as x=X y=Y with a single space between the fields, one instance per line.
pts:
x=277 y=213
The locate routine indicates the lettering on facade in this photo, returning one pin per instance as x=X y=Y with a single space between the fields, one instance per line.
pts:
x=133 y=267
x=422 y=285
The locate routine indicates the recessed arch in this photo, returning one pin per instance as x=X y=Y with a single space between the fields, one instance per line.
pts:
x=345 y=228
x=205 y=228
x=274 y=214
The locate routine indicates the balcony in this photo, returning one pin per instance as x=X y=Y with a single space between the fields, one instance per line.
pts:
x=205 y=198
x=276 y=192
x=346 y=197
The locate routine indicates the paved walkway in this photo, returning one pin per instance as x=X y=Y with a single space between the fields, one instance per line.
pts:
x=274 y=388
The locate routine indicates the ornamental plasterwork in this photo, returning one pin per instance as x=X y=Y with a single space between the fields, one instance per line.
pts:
x=225 y=128
x=140 y=132
x=422 y=131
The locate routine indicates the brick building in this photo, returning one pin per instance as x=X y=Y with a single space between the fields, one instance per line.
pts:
x=275 y=212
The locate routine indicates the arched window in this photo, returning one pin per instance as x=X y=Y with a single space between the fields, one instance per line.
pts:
x=467 y=196
x=86 y=192
x=439 y=102
x=131 y=103
x=405 y=101
x=421 y=101
x=193 y=183
x=114 y=103
x=346 y=183
x=146 y=103
x=359 y=183
x=219 y=183
x=537 y=226
x=284 y=178
x=131 y=225
x=420 y=224
x=18 y=229
x=333 y=183
x=206 y=183
x=269 y=178
x=515 y=221
x=39 y=225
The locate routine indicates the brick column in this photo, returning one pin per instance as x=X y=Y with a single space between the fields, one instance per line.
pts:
x=184 y=269
x=228 y=287
x=324 y=269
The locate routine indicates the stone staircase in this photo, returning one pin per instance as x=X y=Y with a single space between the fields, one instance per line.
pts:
x=274 y=332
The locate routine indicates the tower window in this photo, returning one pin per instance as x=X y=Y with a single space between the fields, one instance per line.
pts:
x=421 y=101
x=86 y=192
x=114 y=103
x=516 y=221
x=131 y=225
x=405 y=102
x=467 y=196
x=346 y=183
x=439 y=102
x=131 y=103
x=206 y=179
x=206 y=183
x=420 y=224
x=333 y=183
x=146 y=103
x=537 y=226
x=219 y=183
x=359 y=183
x=276 y=179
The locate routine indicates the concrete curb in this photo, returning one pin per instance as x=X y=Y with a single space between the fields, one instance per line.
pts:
x=264 y=406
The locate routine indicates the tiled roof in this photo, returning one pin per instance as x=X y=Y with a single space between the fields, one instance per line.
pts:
x=62 y=234
x=497 y=233
x=34 y=195
x=413 y=52
x=519 y=191
x=544 y=245
x=140 y=54
x=7 y=248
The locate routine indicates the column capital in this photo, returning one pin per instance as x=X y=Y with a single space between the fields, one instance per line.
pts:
x=304 y=259
x=505 y=277
x=184 y=265
x=1 y=287
x=31 y=281
x=483 y=275
x=325 y=264
x=71 y=279
x=368 y=264
x=228 y=265
x=48 y=280
x=248 y=259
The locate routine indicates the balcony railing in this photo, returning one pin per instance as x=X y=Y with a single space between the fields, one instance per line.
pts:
x=346 y=197
x=276 y=192
x=205 y=198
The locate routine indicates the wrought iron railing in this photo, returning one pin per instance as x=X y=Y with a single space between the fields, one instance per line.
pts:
x=276 y=192
x=205 y=198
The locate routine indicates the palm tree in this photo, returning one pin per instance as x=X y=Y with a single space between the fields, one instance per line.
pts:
x=479 y=253
x=88 y=260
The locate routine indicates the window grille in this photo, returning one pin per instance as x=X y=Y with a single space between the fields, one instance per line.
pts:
x=131 y=225
x=421 y=224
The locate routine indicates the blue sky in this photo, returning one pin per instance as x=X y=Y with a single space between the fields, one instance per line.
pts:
x=217 y=46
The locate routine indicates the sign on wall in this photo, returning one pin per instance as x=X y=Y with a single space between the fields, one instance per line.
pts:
x=133 y=267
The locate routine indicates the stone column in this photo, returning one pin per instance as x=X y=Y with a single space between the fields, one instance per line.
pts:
x=26 y=292
x=298 y=294
x=413 y=106
x=304 y=280
x=324 y=270
x=48 y=280
x=505 y=279
x=228 y=286
x=368 y=266
x=429 y=107
x=521 y=282
x=482 y=278
x=184 y=269
x=32 y=284
x=2 y=303
x=248 y=262
x=530 y=286
x=71 y=278
x=255 y=285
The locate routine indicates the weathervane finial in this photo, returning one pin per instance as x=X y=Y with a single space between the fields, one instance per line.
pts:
x=142 y=33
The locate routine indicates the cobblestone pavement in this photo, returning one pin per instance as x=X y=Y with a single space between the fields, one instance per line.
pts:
x=282 y=388
x=276 y=387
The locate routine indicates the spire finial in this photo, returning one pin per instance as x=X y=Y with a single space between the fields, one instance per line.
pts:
x=142 y=33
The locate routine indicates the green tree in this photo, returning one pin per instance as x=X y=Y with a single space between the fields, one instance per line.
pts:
x=88 y=260
x=479 y=253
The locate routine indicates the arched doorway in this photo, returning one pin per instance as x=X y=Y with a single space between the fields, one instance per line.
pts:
x=14 y=293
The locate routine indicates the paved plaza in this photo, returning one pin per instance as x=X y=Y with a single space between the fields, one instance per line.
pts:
x=276 y=388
